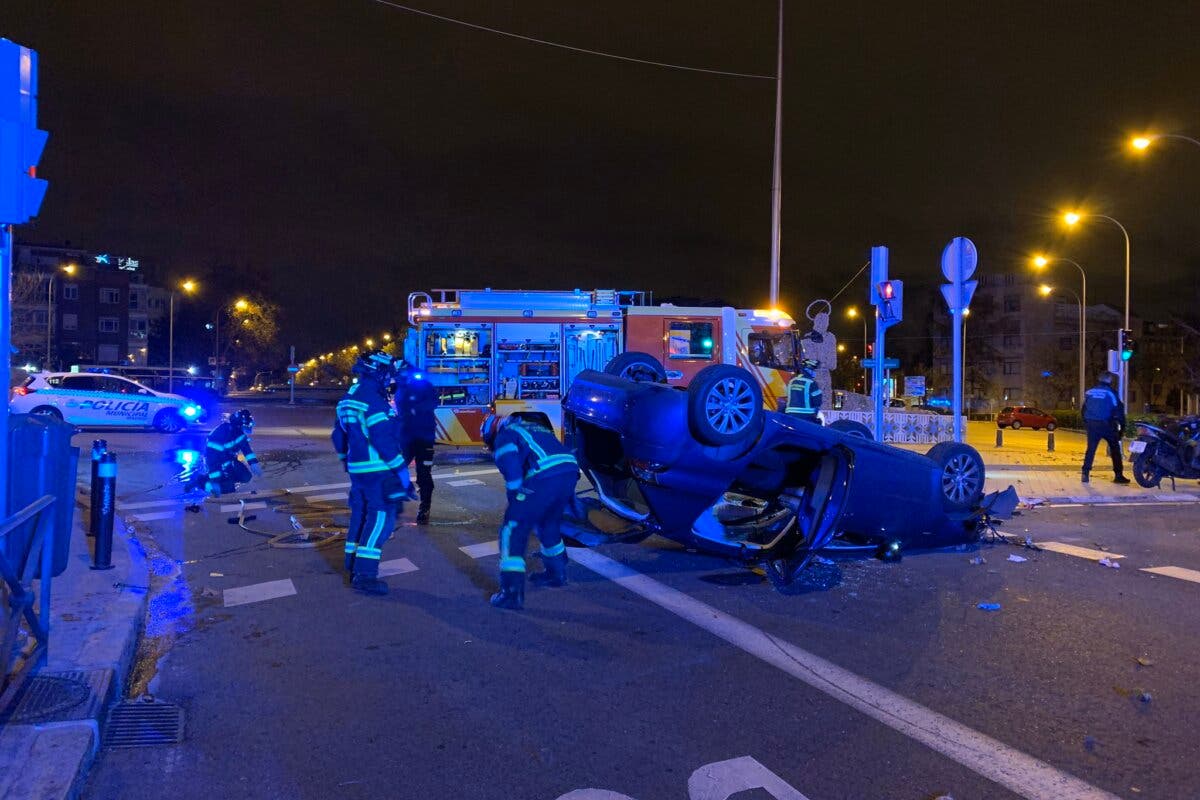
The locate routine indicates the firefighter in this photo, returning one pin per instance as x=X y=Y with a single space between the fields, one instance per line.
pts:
x=1104 y=418
x=416 y=400
x=227 y=441
x=365 y=438
x=539 y=476
x=804 y=393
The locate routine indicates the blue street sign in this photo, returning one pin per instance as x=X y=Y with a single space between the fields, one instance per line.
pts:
x=959 y=259
x=293 y=368
x=888 y=363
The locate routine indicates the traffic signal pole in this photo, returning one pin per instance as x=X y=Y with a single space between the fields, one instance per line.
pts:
x=6 y=260
x=879 y=274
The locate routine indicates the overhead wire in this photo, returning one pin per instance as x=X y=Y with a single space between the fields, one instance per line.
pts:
x=572 y=48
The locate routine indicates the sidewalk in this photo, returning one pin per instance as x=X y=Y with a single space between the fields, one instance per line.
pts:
x=53 y=735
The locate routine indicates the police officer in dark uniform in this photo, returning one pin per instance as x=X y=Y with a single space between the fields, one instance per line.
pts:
x=416 y=400
x=365 y=438
x=1104 y=417
x=804 y=393
x=225 y=443
x=540 y=476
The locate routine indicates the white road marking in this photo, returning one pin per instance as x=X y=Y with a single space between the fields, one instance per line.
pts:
x=321 y=488
x=1175 y=572
x=238 y=507
x=481 y=550
x=319 y=498
x=396 y=566
x=147 y=504
x=468 y=473
x=1080 y=552
x=467 y=482
x=257 y=592
x=992 y=759
x=156 y=515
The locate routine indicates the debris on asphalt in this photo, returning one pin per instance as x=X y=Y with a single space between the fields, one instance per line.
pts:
x=1090 y=743
x=1029 y=544
x=208 y=591
x=1108 y=562
x=1016 y=559
x=988 y=606
x=216 y=574
x=1142 y=661
x=1102 y=547
x=1145 y=697
x=977 y=560
x=822 y=560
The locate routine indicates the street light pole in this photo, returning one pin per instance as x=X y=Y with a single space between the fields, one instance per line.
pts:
x=171 y=347
x=49 y=319
x=1073 y=217
x=1047 y=291
x=776 y=167
x=1041 y=261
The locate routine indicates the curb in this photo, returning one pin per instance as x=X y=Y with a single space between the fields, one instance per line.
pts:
x=1111 y=500
x=50 y=760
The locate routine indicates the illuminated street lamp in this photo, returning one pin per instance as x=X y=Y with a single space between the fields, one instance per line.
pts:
x=1142 y=143
x=387 y=337
x=69 y=269
x=1041 y=261
x=242 y=304
x=1047 y=291
x=370 y=343
x=187 y=287
x=853 y=313
x=1071 y=218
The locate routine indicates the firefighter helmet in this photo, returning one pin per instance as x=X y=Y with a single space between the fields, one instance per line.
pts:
x=375 y=364
x=242 y=419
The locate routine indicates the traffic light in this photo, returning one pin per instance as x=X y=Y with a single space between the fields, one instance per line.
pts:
x=891 y=302
x=1128 y=345
x=21 y=143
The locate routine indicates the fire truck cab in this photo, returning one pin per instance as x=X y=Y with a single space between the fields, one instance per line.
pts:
x=505 y=351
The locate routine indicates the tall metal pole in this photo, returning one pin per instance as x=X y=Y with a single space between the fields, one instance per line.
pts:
x=6 y=259
x=957 y=360
x=171 y=347
x=49 y=319
x=217 y=349
x=776 y=171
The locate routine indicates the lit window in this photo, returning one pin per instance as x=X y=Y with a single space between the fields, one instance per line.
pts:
x=689 y=339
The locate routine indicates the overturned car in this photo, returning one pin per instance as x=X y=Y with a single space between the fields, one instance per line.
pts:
x=710 y=467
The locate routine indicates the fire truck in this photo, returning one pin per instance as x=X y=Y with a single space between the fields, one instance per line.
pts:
x=505 y=351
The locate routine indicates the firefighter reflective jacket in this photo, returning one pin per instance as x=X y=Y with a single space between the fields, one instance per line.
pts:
x=364 y=434
x=804 y=396
x=525 y=452
x=416 y=400
x=224 y=444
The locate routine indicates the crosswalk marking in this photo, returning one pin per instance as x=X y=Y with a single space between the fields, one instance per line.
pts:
x=1181 y=573
x=320 y=498
x=225 y=509
x=467 y=482
x=257 y=592
x=1080 y=552
x=467 y=474
x=319 y=488
x=152 y=516
x=482 y=549
x=324 y=487
x=396 y=566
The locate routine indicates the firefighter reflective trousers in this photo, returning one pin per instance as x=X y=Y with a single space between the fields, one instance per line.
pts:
x=536 y=506
x=372 y=518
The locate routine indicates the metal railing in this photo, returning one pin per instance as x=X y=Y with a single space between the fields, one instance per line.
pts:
x=16 y=576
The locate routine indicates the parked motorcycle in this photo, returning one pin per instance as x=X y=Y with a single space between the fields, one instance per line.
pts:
x=1169 y=450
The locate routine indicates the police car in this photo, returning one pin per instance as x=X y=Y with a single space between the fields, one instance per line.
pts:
x=95 y=400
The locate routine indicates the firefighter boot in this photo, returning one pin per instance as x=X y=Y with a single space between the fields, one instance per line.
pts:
x=555 y=572
x=369 y=584
x=512 y=591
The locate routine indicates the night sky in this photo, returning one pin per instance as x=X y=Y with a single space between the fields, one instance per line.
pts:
x=339 y=153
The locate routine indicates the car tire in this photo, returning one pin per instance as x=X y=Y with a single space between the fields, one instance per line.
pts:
x=637 y=367
x=1050 y=426
x=1016 y=424
x=960 y=475
x=47 y=411
x=168 y=421
x=725 y=406
x=851 y=428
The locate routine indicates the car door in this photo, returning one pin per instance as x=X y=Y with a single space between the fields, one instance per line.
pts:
x=126 y=402
x=79 y=396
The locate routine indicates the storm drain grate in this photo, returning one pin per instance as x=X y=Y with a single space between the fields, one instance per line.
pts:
x=144 y=723
x=58 y=697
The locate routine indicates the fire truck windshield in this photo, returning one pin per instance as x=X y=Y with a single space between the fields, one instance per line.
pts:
x=775 y=350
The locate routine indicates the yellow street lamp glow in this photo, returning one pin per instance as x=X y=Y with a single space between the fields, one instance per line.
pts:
x=242 y=304
x=387 y=337
x=1045 y=290
x=1040 y=261
x=69 y=269
x=1072 y=217
x=966 y=312
x=188 y=286
x=1141 y=142
x=852 y=312
x=841 y=348
x=370 y=342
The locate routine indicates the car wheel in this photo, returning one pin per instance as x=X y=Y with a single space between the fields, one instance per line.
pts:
x=637 y=367
x=168 y=421
x=851 y=428
x=1051 y=426
x=47 y=411
x=725 y=406
x=1147 y=474
x=960 y=474
x=1016 y=424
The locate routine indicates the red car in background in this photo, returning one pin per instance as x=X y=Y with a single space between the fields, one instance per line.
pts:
x=1016 y=417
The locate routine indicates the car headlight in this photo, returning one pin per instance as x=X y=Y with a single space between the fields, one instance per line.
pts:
x=191 y=412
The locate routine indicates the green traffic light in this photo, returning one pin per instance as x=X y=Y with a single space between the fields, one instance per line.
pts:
x=707 y=344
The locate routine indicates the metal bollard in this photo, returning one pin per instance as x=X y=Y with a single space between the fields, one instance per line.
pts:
x=999 y=436
x=1049 y=441
x=106 y=471
x=99 y=448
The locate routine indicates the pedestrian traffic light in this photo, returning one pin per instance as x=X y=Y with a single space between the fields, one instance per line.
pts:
x=21 y=143
x=1128 y=345
x=891 y=302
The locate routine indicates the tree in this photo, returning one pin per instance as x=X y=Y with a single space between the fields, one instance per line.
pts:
x=29 y=298
x=253 y=338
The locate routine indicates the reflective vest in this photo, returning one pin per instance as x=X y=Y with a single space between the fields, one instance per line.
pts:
x=224 y=444
x=364 y=434
x=525 y=452
x=804 y=396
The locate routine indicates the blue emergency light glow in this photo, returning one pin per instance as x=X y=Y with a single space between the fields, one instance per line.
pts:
x=190 y=411
x=192 y=370
x=417 y=376
x=186 y=457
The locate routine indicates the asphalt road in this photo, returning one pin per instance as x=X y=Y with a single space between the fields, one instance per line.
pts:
x=658 y=673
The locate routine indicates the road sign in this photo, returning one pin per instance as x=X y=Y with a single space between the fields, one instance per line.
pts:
x=914 y=385
x=888 y=363
x=293 y=368
x=959 y=259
